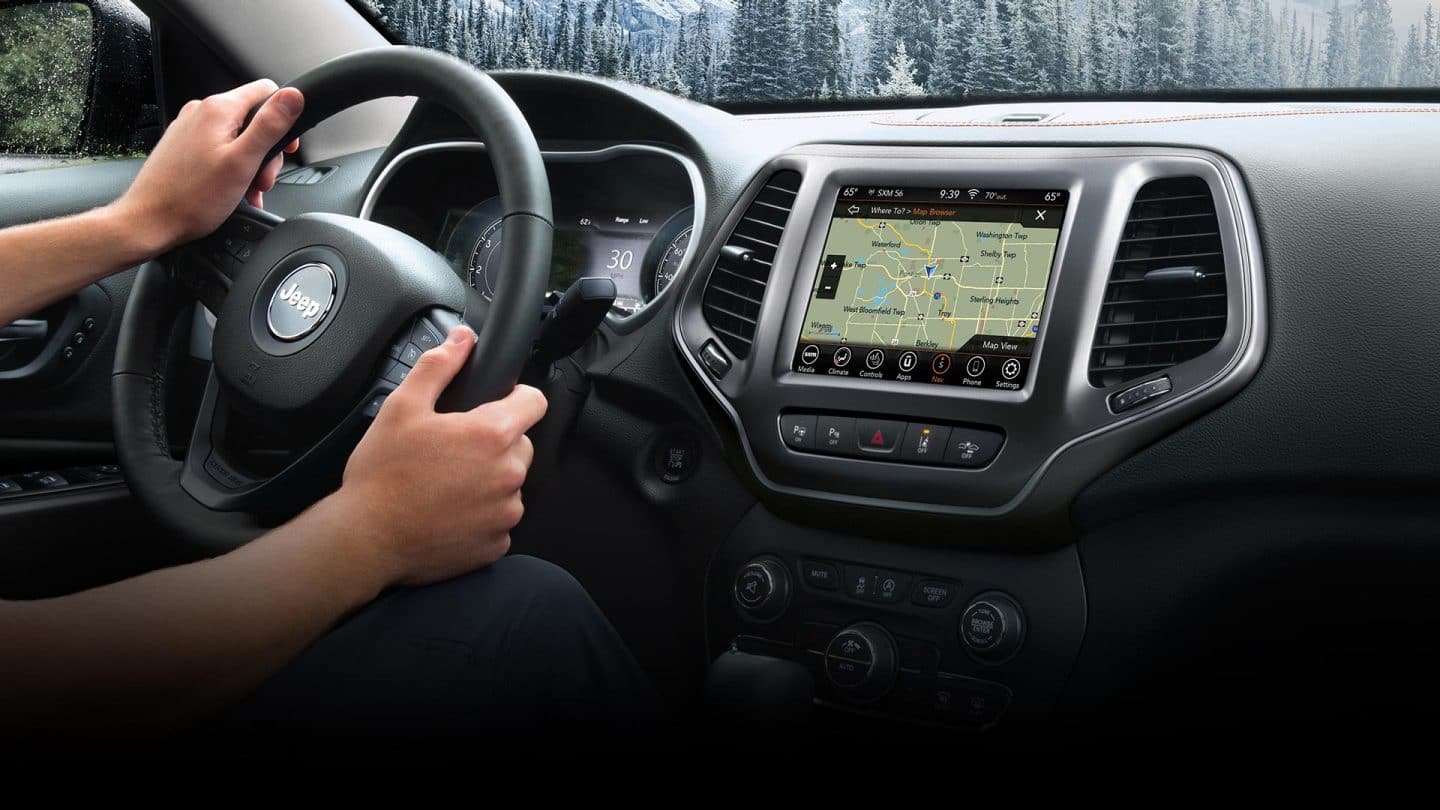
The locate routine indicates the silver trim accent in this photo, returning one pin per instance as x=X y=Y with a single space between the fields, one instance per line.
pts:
x=317 y=319
x=1199 y=383
x=697 y=193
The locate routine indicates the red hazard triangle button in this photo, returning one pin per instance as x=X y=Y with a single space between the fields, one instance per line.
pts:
x=878 y=435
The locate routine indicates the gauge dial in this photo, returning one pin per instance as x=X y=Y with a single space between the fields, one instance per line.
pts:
x=473 y=248
x=670 y=262
x=666 y=255
x=484 y=259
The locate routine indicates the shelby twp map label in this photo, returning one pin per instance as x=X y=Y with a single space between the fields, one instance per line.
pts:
x=933 y=285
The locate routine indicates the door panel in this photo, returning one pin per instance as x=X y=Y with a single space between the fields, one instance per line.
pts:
x=55 y=414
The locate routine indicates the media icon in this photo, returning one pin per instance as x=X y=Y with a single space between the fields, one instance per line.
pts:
x=810 y=354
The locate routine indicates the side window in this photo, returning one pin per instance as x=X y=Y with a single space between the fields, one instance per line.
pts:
x=76 y=80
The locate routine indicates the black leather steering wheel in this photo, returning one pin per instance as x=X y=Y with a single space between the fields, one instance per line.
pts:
x=318 y=317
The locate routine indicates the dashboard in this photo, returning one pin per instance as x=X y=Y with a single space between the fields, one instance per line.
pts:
x=624 y=212
x=988 y=406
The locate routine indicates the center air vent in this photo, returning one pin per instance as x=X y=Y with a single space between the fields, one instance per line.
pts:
x=737 y=282
x=1165 y=301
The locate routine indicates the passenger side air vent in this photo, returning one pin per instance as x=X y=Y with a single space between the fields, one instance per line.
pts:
x=737 y=282
x=1165 y=301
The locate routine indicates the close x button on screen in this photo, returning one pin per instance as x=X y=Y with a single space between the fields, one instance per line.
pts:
x=923 y=443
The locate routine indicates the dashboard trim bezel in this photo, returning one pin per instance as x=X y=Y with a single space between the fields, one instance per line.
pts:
x=1042 y=497
x=620 y=323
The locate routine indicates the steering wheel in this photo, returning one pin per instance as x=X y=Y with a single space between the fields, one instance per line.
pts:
x=318 y=318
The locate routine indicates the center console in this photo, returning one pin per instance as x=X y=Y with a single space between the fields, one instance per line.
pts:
x=924 y=354
x=971 y=332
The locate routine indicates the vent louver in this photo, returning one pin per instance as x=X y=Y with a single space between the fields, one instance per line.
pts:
x=1165 y=301
x=737 y=282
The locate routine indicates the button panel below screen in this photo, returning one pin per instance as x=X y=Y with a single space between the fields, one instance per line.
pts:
x=921 y=443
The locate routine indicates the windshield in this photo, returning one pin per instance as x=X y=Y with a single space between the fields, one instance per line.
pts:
x=789 y=51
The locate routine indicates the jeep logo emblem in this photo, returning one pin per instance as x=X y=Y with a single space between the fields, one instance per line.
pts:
x=301 y=301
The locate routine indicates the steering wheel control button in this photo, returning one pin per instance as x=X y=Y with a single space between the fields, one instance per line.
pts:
x=372 y=408
x=715 y=360
x=797 y=430
x=1137 y=395
x=397 y=373
x=821 y=575
x=878 y=436
x=890 y=587
x=810 y=354
x=860 y=662
x=762 y=589
x=992 y=627
x=410 y=354
x=299 y=305
x=934 y=593
x=835 y=435
x=970 y=447
x=924 y=444
x=425 y=336
x=875 y=359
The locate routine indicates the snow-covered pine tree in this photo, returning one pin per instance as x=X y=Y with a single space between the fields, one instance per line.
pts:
x=1412 y=73
x=1336 y=70
x=1374 y=43
x=957 y=25
x=1429 y=57
x=562 y=40
x=900 y=75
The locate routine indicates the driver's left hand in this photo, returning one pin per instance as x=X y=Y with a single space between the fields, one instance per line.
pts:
x=204 y=165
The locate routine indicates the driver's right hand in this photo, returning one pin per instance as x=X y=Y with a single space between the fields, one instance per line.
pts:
x=435 y=495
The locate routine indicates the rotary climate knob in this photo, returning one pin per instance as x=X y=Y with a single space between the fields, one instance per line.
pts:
x=762 y=589
x=860 y=661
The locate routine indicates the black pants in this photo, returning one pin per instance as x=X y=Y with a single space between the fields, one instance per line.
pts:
x=517 y=649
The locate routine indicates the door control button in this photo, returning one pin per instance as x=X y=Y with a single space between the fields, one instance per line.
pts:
x=878 y=436
x=798 y=430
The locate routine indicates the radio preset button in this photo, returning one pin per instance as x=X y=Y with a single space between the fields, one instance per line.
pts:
x=878 y=436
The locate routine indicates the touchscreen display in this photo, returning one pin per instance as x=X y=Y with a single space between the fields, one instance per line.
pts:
x=934 y=285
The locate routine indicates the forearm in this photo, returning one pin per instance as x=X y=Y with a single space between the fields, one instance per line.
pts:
x=43 y=262
x=155 y=651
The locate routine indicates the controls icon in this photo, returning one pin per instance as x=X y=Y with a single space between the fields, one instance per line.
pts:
x=810 y=354
x=975 y=366
x=908 y=361
x=1010 y=369
x=941 y=364
x=842 y=357
x=875 y=359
